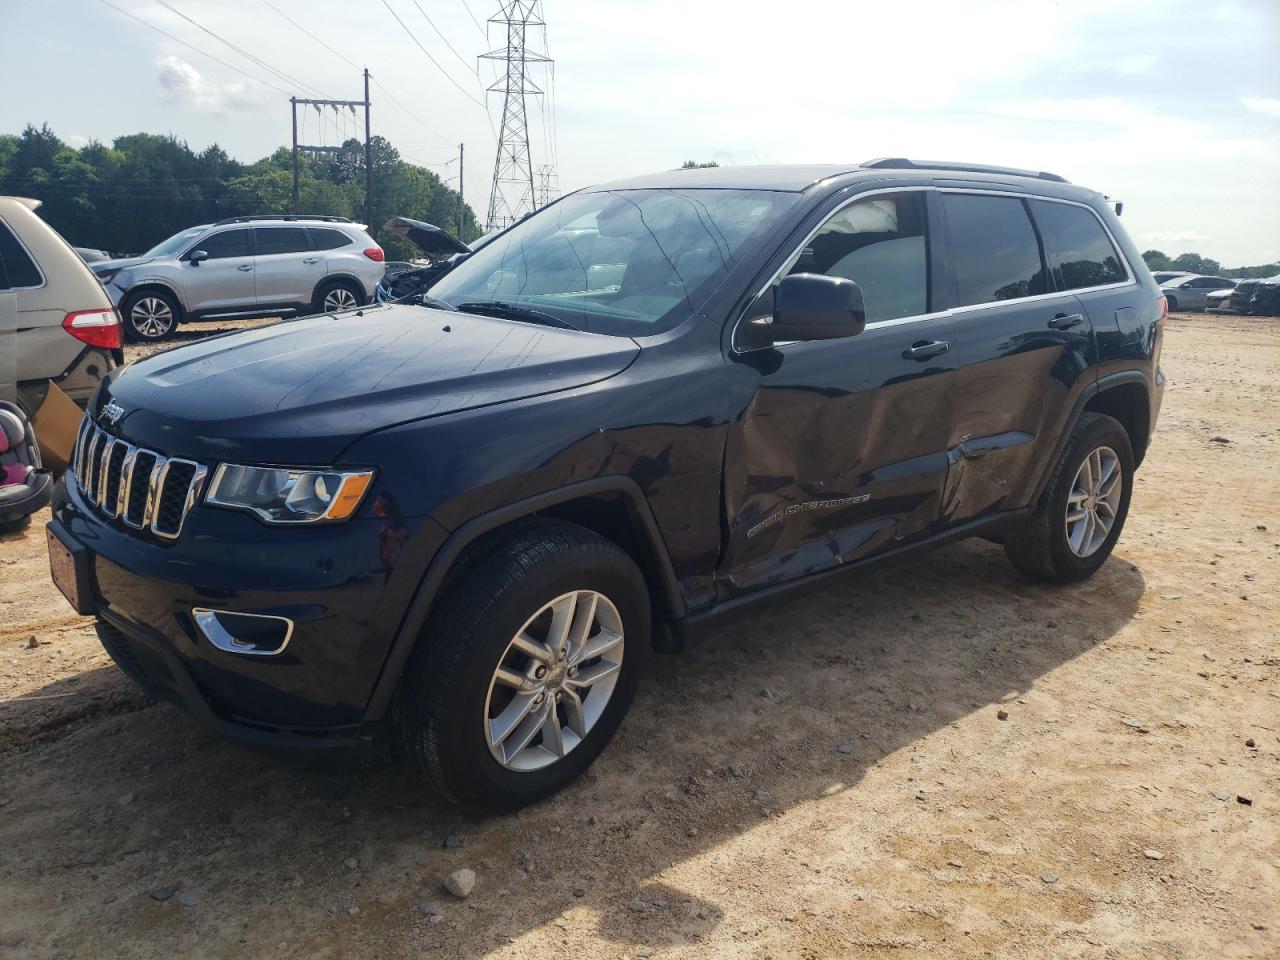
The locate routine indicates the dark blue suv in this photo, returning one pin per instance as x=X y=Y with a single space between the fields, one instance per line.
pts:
x=652 y=405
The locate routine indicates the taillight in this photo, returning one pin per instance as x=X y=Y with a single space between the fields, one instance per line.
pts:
x=1164 y=309
x=98 y=328
x=374 y=253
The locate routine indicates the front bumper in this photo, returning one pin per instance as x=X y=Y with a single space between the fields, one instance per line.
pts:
x=331 y=582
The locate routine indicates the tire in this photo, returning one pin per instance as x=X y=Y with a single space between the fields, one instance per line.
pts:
x=450 y=701
x=334 y=295
x=1172 y=303
x=149 y=316
x=1042 y=546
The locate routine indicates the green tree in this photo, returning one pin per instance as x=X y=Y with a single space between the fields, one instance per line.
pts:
x=1157 y=260
x=695 y=165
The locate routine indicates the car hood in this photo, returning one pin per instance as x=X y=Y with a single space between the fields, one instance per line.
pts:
x=111 y=266
x=300 y=391
x=427 y=237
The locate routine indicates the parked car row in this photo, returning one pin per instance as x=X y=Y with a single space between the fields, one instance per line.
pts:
x=1187 y=291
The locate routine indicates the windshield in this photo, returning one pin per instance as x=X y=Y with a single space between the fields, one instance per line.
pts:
x=625 y=262
x=174 y=243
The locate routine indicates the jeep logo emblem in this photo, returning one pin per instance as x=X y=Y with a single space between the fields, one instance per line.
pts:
x=112 y=413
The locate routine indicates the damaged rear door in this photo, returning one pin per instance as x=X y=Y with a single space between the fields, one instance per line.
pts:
x=841 y=449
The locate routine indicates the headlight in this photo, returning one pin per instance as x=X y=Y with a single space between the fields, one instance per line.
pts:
x=288 y=494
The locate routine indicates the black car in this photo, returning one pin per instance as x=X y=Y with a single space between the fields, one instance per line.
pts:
x=1257 y=297
x=647 y=408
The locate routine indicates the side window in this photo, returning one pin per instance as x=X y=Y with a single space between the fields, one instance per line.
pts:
x=880 y=243
x=280 y=240
x=324 y=238
x=993 y=249
x=1079 y=251
x=18 y=265
x=229 y=243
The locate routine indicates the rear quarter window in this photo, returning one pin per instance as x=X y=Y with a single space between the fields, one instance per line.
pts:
x=1079 y=252
x=17 y=263
x=324 y=238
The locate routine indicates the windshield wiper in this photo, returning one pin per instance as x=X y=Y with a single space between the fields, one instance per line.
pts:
x=512 y=311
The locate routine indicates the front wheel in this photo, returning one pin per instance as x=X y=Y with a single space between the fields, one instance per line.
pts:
x=149 y=316
x=1079 y=517
x=527 y=666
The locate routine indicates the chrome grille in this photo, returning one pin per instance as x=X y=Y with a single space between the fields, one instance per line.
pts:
x=146 y=490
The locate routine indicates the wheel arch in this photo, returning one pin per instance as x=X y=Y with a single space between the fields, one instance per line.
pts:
x=158 y=286
x=1126 y=401
x=614 y=507
x=1126 y=396
x=344 y=279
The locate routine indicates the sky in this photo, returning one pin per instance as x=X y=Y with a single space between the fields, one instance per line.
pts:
x=1172 y=106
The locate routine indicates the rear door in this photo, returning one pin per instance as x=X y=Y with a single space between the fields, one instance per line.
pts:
x=225 y=280
x=288 y=270
x=1022 y=354
x=840 y=451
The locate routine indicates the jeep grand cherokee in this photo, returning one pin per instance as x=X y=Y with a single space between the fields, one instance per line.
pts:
x=649 y=406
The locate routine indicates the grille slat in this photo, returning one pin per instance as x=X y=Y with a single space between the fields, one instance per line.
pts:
x=145 y=489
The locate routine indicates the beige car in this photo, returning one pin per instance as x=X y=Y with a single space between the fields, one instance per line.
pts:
x=57 y=324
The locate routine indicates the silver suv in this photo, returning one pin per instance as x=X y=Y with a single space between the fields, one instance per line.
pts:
x=244 y=265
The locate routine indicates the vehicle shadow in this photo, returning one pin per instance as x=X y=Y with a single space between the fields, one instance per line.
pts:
x=785 y=709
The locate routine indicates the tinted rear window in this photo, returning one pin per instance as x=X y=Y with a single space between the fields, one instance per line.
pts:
x=280 y=240
x=323 y=238
x=993 y=248
x=1079 y=252
x=22 y=272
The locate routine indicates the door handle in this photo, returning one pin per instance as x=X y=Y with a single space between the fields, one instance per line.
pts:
x=311 y=260
x=1064 y=321
x=924 y=349
x=245 y=267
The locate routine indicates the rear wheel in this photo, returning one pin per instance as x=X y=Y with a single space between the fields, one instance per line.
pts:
x=527 y=667
x=149 y=315
x=337 y=295
x=1082 y=511
x=1172 y=302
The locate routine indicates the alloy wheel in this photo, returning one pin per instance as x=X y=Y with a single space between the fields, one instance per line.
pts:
x=554 y=680
x=339 y=298
x=1094 y=501
x=151 y=317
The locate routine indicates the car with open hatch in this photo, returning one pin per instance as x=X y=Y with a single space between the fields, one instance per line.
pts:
x=647 y=408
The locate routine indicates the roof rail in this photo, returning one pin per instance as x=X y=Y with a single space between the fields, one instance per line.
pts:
x=283 y=216
x=902 y=163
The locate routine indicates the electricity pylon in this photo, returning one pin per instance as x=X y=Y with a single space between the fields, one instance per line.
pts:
x=513 y=194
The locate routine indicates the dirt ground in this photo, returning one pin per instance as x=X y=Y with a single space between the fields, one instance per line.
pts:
x=1127 y=806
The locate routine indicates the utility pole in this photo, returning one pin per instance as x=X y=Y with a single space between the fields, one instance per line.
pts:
x=293 y=111
x=368 y=158
x=316 y=150
x=512 y=195
x=462 y=207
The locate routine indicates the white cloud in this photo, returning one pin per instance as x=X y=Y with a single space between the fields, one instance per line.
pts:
x=1268 y=106
x=184 y=85
x=1175 y=236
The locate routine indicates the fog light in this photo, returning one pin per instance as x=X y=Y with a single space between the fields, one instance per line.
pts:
x=250 y=634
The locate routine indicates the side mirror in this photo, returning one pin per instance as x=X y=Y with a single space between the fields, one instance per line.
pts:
x=197 y=257
x=809 y=306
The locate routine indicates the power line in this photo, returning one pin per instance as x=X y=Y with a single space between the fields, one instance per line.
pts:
x=336 y=53
x=461 y=59
x=448 y=76
x=422 y=123
x=152 y=26
x=472 y=15
x=240 y=50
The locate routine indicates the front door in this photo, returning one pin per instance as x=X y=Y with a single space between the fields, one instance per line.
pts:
x=224 y=281
x=288 y=270
x=841 y=450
